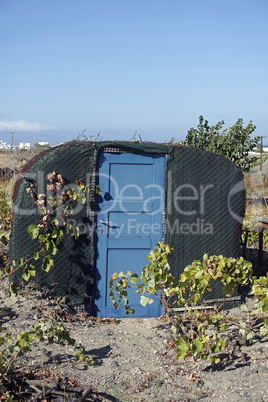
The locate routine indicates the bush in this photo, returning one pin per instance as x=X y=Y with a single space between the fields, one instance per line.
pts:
x=235 y=143
x=194 y=326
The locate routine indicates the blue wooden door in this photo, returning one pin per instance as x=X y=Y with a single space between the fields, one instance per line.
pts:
x=129 y=223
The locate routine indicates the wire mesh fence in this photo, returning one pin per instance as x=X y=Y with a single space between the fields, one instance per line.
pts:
x=204 y=200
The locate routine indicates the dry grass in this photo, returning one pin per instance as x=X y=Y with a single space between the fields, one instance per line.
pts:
x=257 y=205
x=6 y=192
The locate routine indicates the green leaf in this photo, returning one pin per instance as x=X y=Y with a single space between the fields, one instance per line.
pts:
x=134 y=279
x=263 y=331
x=242 y=329
x=47 y=263
x=79 y=355
x=26 y=275
x=180 y=354
x=223 y=327
x=205 y=257
x=35 y=255
x=98 y=190
x=25 y=338
x=13 y=289
x=198 y=345
x=52 y=248
x=33 y=231
x=143 y=279
x=182 y=345
x=214 y=359
x=144 y=300
x=250 y=335
x=244 y=308
x=265 y=304
x=201 y=328
x=19 y=262
x=151 y=285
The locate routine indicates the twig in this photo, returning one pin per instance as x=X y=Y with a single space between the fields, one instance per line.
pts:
x=86 y=394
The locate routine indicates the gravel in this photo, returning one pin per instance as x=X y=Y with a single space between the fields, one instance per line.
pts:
x=135 y=358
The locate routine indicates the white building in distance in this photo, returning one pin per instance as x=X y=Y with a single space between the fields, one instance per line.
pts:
x=24 y=145
x=42 y=143
x=4 y=145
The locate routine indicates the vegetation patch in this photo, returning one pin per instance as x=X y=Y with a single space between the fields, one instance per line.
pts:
x=199 y=332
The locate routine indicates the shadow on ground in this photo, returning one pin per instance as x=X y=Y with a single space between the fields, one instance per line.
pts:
x=6 y=314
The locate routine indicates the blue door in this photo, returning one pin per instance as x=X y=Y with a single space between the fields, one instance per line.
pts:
x=129 y=223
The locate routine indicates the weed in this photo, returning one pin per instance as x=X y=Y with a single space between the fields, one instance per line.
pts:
x=192 y=326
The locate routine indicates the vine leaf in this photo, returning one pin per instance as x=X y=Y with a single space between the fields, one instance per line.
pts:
x=144 y=300
x=33 y=231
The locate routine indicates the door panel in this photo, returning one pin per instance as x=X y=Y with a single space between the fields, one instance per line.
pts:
x=136 y=225
x=129 y=223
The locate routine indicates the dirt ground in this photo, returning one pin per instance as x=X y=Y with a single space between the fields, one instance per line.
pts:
x=134 y=360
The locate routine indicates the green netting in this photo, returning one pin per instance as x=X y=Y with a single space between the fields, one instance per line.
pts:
x=200 y=210
x=72 y=274
x=215 y=230
x=211 y=223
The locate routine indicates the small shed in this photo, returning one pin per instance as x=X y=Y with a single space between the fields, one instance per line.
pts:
x=192 y=199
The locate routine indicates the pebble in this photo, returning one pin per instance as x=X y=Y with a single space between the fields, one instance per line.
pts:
x=133 y=359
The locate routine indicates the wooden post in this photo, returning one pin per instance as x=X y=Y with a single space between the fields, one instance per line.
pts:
x=260 y=253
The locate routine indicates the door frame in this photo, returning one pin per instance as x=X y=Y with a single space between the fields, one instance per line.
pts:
x=100 y=285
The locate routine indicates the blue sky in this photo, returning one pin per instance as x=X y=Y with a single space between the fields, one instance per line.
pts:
x=120 y=66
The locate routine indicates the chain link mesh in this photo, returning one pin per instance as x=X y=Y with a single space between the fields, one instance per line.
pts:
x=201 y=210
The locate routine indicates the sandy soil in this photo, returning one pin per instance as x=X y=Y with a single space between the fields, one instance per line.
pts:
x=134 y=358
